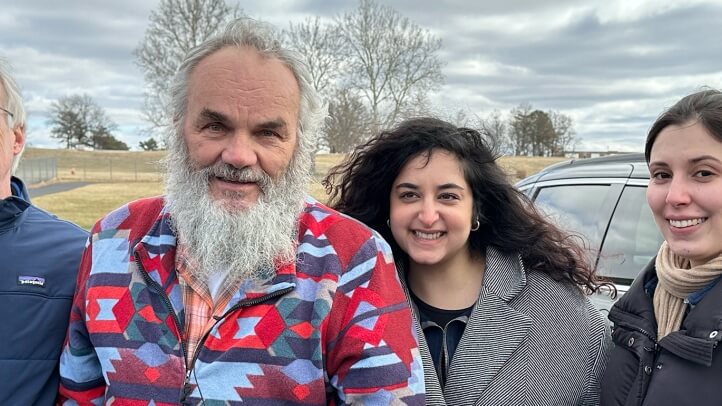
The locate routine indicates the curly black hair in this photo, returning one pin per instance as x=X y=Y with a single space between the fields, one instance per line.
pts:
x=361 y=185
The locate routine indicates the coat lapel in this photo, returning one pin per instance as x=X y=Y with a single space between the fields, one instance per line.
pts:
x=494 y=332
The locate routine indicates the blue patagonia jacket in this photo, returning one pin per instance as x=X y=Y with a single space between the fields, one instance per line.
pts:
x=40 y=258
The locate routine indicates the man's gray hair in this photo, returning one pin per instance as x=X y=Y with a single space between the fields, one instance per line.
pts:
x=13 y=104
x=264 y=38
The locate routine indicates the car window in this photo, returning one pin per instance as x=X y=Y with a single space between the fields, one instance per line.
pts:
x=581 y=209
x=632 y=239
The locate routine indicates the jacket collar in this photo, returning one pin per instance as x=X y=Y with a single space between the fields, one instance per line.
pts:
x=17 y=187
x=635 y=308
x=156 y=252
x=701 y=329
x=12 y=208
x=494 y=332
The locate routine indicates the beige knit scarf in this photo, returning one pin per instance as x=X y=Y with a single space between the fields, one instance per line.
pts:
x=677 y=279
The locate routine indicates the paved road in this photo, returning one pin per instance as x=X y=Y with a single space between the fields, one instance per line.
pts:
x=55 y=188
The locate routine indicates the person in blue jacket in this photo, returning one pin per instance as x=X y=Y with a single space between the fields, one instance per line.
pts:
x=40 y=258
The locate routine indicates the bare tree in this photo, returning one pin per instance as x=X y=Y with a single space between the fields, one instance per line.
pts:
x=565 y=135
x=391 y=60
x=175 y=27
x=318 y=44
x=494 y=128
x=347 y=124
x=77 y=120
x=418 y=104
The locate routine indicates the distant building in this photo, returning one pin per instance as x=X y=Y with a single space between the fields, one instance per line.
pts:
x=592 y=154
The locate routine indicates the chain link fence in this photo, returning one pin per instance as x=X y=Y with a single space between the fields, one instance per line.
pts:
x=107 y=168
x=97 y=166
x=36 y=170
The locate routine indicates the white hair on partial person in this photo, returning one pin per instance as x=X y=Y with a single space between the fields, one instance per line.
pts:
x=13 y=102
x=241 y=243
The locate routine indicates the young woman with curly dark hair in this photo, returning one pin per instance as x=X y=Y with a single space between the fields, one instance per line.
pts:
x=497 y=290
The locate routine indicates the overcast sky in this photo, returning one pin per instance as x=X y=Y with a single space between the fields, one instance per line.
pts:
x=612 y=65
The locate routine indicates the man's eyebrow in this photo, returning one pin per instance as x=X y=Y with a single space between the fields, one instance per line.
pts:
x=211 y=115
x=272 y=124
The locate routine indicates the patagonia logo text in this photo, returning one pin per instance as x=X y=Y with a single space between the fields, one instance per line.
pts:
x=31 y=280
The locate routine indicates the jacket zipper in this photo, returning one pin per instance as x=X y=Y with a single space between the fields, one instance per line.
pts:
x=654 y=350
x=639 y=330
x=187 y=388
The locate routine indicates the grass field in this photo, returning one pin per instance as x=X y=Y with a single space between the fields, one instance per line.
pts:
x=85 y=205
x=102 y=166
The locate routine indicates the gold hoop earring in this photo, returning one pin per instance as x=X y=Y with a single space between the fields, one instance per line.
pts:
x=475 y=227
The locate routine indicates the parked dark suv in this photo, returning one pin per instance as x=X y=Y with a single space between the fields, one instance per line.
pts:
x=602 y=199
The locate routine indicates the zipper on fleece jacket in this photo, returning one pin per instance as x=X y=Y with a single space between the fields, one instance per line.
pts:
x=187 y=387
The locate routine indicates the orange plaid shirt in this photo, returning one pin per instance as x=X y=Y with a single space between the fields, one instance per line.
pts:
x=197 y=302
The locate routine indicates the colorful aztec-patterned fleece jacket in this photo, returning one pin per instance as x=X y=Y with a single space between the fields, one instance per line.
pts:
x=334 y=328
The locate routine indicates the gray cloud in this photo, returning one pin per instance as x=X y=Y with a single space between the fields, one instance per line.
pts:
x=612 y=65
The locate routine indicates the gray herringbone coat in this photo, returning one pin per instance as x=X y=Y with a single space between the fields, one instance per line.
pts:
x=530 y=341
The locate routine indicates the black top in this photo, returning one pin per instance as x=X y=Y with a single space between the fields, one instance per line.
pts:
x=443 y=330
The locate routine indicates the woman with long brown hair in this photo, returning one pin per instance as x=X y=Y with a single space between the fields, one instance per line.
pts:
x=497 y=290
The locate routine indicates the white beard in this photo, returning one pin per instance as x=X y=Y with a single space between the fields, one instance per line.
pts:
x=239 y=244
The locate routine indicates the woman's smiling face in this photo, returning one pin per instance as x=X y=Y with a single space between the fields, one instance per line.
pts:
x=431 y=208
x=685 y=190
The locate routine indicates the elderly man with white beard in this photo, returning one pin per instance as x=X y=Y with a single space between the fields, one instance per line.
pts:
x=236 y=287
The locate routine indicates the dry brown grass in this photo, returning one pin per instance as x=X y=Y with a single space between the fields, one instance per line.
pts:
x=519 y=167
x=85 y=205
x=103 y=166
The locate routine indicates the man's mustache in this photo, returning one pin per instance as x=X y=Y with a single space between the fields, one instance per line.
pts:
x=233 y=174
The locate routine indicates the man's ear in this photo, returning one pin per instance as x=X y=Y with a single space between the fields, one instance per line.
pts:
x=19 y=143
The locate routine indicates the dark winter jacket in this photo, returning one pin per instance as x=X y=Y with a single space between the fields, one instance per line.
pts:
x=40 y=258
x=683 y=368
